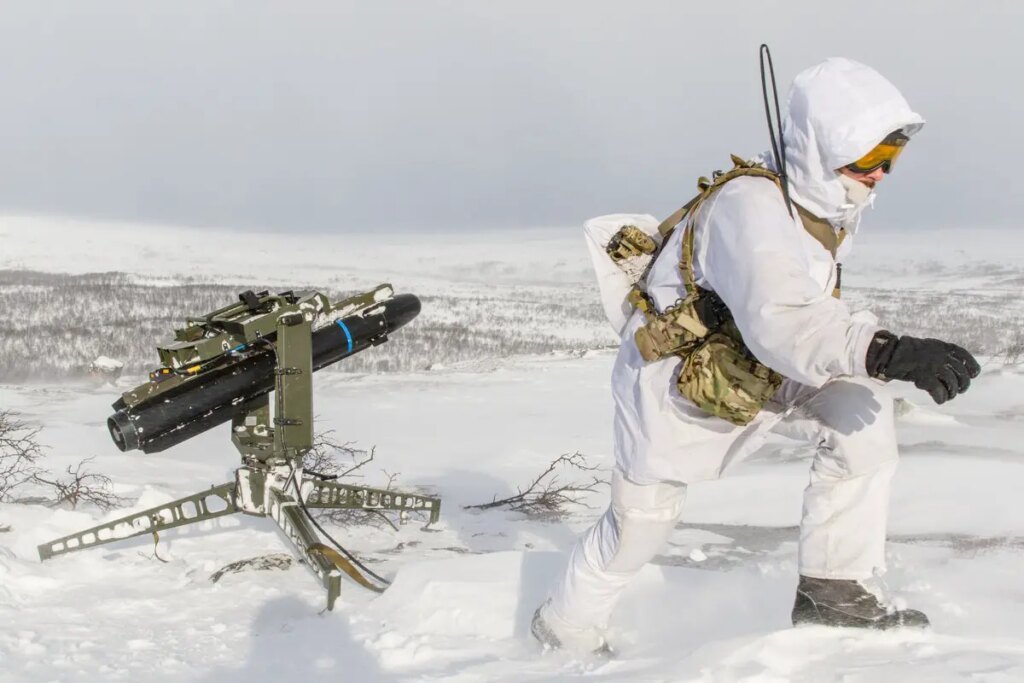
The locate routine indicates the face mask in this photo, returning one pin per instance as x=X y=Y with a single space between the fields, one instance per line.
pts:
x=858 y=196
x=857 y=193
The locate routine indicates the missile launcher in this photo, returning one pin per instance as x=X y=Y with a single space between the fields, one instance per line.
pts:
x=223 y=366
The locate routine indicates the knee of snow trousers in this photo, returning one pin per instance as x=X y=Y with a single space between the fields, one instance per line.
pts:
x=846 y=502
x=631 y=532
x=644 y=516
x=851 y=422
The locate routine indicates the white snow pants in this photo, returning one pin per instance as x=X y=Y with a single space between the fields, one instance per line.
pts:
x=845 y=507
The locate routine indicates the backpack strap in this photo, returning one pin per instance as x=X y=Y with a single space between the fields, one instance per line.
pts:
x=821 y=230
x=741 y=168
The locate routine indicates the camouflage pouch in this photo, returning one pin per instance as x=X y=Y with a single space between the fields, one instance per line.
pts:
x=674 y=332
x=721 y=378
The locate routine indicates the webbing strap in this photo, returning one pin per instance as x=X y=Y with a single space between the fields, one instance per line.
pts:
x=741 y=168
x=821 y=230
x=686 y=262
x=707 y=187
x=641 y=302
x=156 y=542
x=818 y=228
x=670 y=223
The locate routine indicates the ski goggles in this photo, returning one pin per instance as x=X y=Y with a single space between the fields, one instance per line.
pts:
x=883 y=155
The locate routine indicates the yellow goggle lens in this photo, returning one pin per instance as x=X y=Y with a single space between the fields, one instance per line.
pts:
x=883 y=155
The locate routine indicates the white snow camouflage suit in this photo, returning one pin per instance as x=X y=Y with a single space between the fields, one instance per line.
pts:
x=777 y=281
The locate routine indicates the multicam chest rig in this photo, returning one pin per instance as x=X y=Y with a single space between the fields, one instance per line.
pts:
x=718 y=373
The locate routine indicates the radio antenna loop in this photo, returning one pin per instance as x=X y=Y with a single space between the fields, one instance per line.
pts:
x=778 y=148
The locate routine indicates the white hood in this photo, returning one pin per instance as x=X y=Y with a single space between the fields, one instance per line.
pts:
x=837 y=112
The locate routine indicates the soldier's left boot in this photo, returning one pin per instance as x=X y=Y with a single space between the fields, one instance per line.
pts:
x=554 y=633
x=846 y=603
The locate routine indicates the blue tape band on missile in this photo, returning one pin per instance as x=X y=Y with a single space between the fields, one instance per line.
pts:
x=213 y=397
x=348 y=335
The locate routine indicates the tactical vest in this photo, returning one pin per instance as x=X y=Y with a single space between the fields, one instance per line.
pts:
x=718 y=373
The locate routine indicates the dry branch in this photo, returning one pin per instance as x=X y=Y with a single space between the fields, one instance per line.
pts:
x=20 y=453
x=81 y=486
x=330 y=459
x=547 y=495
x=337 y=461
x=1013 y=354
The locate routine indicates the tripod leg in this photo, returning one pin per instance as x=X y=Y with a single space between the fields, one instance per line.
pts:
x=289 y=516
x=214 y=502
x=332 y=495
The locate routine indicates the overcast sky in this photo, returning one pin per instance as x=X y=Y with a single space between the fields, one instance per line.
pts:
x=425 y=115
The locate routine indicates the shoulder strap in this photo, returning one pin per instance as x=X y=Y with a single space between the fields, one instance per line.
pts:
x=706 y=188
x=821 y=230
x=669 y=224
x=741 y=168
x=818 y=228
x=827 y=236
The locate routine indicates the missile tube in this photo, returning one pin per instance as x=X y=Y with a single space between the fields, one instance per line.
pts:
x=215 y=396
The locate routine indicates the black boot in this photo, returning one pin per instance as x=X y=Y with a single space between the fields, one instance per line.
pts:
x=838 y=602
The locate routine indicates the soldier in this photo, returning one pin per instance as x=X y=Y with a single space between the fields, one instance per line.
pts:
x=738 y=330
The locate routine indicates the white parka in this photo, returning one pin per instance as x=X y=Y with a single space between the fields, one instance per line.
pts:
x=775 y=278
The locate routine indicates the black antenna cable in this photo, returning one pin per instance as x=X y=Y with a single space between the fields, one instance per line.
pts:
x=778 y=149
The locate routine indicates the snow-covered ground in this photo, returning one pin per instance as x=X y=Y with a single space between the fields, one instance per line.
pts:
x=713 y=607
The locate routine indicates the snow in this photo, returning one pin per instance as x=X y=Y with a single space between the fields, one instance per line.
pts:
x=714 y=606
x=105 y=363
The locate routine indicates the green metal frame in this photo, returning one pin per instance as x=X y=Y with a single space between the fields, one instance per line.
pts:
x=271 y=450
x=329 y=495
x=187 y=510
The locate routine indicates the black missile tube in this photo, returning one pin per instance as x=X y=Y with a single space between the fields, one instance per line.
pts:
x=214 y=397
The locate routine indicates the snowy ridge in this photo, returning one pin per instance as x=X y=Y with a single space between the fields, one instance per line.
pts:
x=527 y=292
x=102 y=289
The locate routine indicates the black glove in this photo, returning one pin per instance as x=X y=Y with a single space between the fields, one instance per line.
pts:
x=940 y=368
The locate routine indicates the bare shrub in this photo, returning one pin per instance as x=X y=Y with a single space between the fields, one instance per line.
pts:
x=331 y=460
x=20 y=457
x=80 y=486
x=548 y=495
x=20 y=454
x=1013 y=354
x=59 y=324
